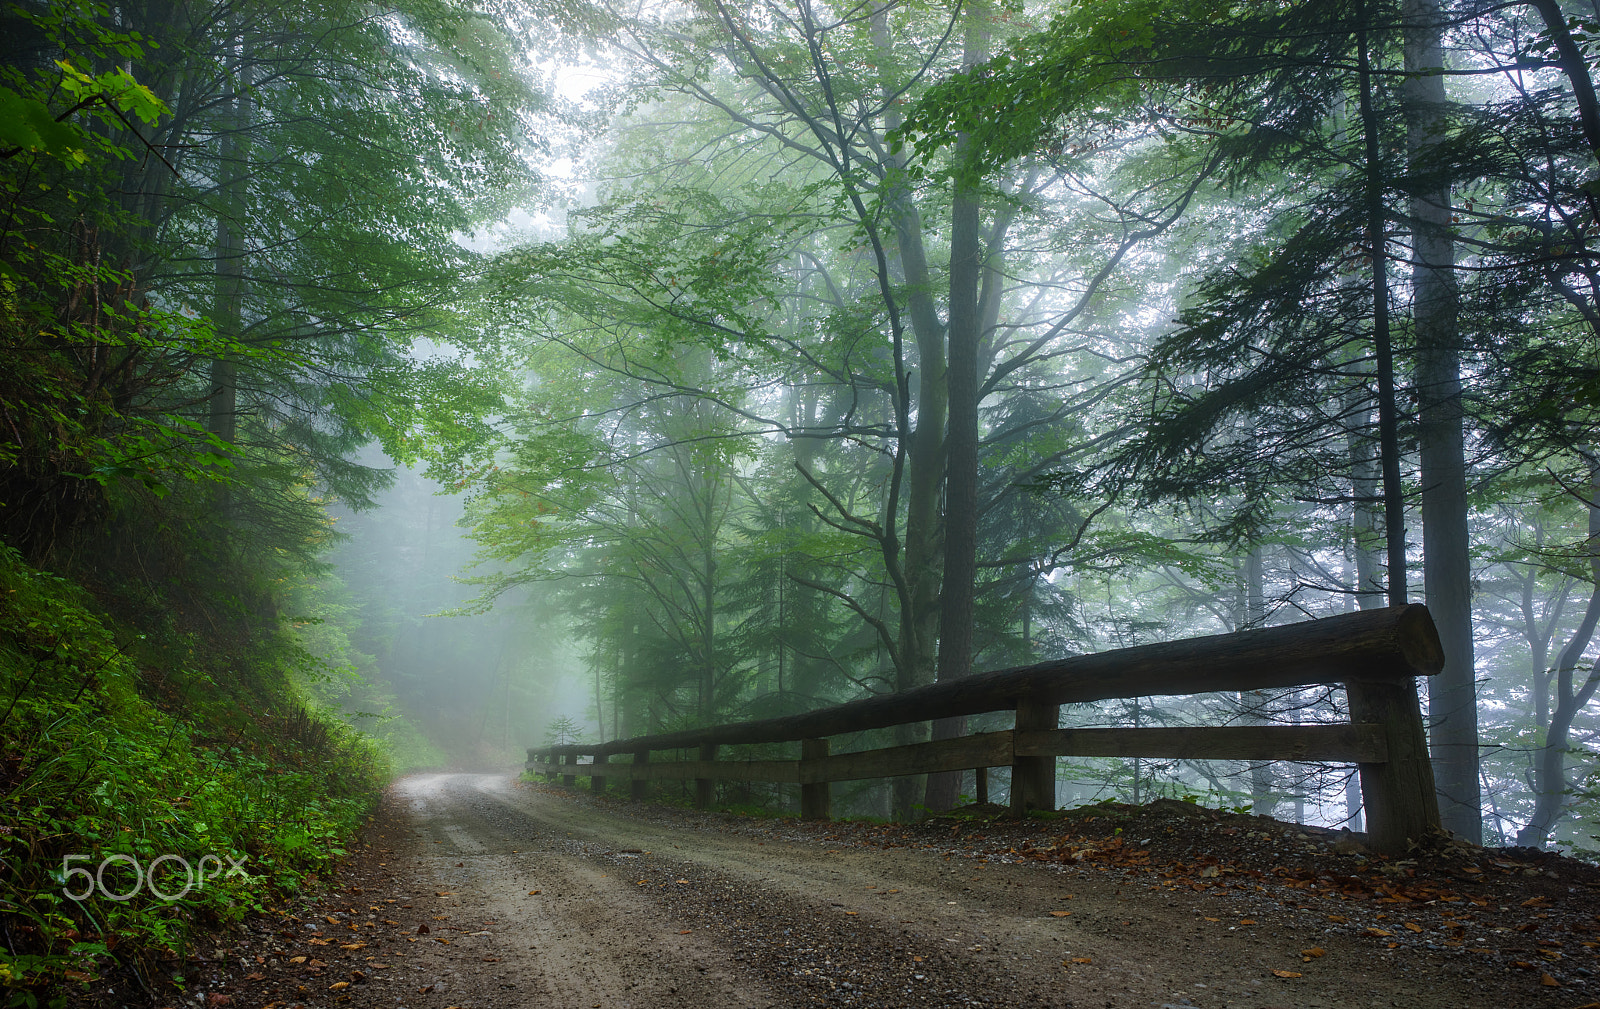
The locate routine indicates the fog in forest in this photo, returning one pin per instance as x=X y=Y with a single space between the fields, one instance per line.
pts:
x=413 y=390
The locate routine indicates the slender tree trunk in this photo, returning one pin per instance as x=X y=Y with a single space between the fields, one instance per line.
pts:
x=1252 y=613
x=1549 y=770
x=1388 y=414
x=1447 y=571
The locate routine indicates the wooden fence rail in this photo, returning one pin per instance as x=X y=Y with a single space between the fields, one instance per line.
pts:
x=1374 y=654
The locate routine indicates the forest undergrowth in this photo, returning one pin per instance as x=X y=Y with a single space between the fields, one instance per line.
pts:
x=155 y=783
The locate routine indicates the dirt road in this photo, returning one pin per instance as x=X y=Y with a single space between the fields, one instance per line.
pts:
x=478 y=891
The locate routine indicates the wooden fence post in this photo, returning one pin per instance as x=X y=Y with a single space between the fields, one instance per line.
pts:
x=1401 y=803
x=816 y=800
x=705 y=788
x=981 y=775
x=550 y=758
x=1033 y=779
x=639 y=788
x=597 y=780
x=570 y=780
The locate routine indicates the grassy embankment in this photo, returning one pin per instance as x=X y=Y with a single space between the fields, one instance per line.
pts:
x=132 y=737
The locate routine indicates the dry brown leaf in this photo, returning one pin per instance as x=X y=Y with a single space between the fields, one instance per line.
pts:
x=1213 y=919
x=1548 y=981
x=686 y=931
x=1082 y=959
x=534 y=893
x=444 y=893
x=1413 y=926
x=1383 y=932
x=680 y=881
x=338 y=984
x=852 y=912
x=1314 y=952
x=422 y=929
x=1060 y=914
x=258 y=976
x=330 y=919
x=1341 y=919
x=1534 y=901
x=1287 y=973
x=353 y=945
x=297 y=959
x=1247 y=921
x=918 y=959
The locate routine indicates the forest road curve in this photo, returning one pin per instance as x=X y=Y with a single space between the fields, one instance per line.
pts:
x=477 y=890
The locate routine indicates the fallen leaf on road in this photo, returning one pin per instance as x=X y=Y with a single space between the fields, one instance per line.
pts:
x=686 y=931
x=297 y=959
x=353 y=945
x=445 y=941
x=852 y=912
x=1549 y=982
x=422 y=930
x=330 y=919
x=444 y=893
x=1379 y=932
x=680 y=881
x=1413 y=926
x=1060 y=914
x=338 y=984
x=1313 y=952
x=1082 y=959
x=1247 y=921
x=1287 y=973
x=255 y=977
x=534 y=893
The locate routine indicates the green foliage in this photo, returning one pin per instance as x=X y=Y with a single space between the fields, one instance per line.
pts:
x=113 y=746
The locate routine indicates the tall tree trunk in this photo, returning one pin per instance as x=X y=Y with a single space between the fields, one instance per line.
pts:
x=961 y=446
x=227 y=313
x=1447 y=571
x=922 y=561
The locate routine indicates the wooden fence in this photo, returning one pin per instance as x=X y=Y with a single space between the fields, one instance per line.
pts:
x=1374 y=654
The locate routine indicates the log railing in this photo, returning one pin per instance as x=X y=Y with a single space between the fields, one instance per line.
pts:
x=1374 y=654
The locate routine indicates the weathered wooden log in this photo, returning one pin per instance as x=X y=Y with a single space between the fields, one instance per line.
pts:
x=816 y=799
x=1399 y=795
x=1391 y=644
x=1337 y=743
x=639 y=787
x=1033 y=777
x=705 y=788
x=914 y=758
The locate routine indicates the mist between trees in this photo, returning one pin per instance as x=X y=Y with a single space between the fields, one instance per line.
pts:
x=562 y=370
